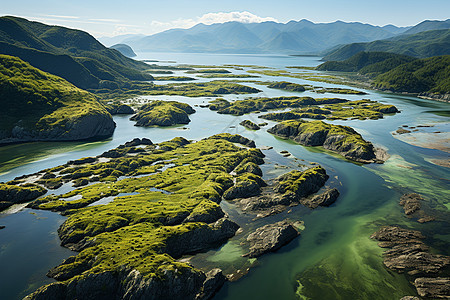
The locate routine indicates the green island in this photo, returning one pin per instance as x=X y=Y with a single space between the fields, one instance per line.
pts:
x=152 y=203
x=288 y=86
x=227 y=76
x=241 y=107
x=197 y=89
x=343 y=140
x=250 y=125
x=163 y=113
x=173 y=78
x=360 y=110
x=318 y=77
x=38 y=106
x=208 y=71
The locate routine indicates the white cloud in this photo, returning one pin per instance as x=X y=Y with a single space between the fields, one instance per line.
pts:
x=243 y=17
x=208 y=19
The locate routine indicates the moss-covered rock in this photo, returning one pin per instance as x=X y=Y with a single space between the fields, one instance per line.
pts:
x=250 y=125
x=163 y=113
x=241 y=107
x=340 y=139
x=13 y=194
x=133 y=241
x=288 y=86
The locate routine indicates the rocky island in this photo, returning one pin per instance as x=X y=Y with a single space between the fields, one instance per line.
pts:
x=163 y=113
x=343 y=140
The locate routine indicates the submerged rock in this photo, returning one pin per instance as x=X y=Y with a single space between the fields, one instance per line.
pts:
x=435 y=288
x=271 y=237
x=408 y=253
x=410 y=203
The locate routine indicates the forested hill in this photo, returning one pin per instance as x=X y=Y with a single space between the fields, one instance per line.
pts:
x=420 y=45
x=398 y=73
x=429 y=75
x=71 y=54
x=372 y=63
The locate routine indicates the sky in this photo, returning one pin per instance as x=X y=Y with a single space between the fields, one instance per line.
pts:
x=112 y=17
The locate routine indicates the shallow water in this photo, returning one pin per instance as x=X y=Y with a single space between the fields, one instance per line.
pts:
x=332 y=259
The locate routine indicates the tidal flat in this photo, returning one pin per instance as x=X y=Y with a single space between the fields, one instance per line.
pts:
x=320 y=263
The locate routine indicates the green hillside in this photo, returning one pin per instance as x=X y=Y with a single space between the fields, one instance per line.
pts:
x=367 y=63
x=420 y=45
x=431 y=75
x=71 y=54
x=39 y=106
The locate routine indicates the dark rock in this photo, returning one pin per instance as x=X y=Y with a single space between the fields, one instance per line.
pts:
x=213 y=282
x=433 y=287
x=250 y=125
x=201 y=238
x=325 y=199
x=402 y=131
x=270 y=238
x=410 y=203
x=19 y=194
x=242 y=189
x=2 y=227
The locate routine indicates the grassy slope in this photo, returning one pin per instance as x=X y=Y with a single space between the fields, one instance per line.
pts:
x=67 y=53
x=40 y=100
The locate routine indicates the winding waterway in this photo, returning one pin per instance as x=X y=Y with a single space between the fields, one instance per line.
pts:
x=334 y=258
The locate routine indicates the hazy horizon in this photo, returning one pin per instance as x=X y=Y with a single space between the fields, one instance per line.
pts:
x=108 y=18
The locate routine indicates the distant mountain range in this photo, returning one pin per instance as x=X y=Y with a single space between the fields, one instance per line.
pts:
x=71 y=54
x=294 y=37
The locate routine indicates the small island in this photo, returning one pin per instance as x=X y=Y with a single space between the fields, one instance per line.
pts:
x=163 y=113
x=343 y=140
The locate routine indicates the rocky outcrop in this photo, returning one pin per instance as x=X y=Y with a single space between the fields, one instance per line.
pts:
x=163 y=113
x=411 y=203
x=412 y=206
x=407 y=253
x=93 y=125
x=325 y=199
x=288 y=189
x=201 y=238
x=13 y=194
x=435 y=288
x=235 y=138
x=246 y=185
x=271 y=237
x=186 y=283
x=120 y=109
x=340 y=139
x=250 y=125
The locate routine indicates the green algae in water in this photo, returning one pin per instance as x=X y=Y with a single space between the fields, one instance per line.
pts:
x=230 y=252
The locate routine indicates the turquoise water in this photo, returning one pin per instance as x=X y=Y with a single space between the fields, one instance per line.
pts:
x=332 y=259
